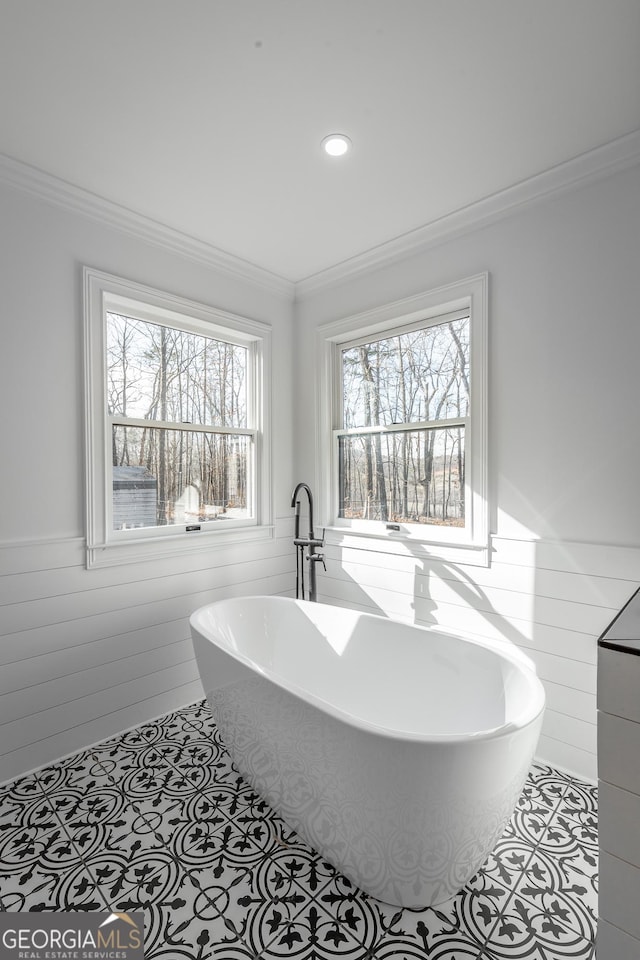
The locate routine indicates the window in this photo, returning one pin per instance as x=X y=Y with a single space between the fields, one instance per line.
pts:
x=403 y=407
x=176 y=426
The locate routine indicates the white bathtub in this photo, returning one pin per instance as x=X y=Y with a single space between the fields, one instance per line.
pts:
x=397 y=752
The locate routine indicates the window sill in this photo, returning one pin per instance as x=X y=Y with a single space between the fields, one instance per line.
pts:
x=398 y=544
x=163 y=548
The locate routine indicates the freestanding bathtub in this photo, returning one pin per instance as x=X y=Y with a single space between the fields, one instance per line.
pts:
x=396 y=751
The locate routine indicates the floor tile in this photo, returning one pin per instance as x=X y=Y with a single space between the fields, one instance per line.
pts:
x=22 y=803
x=229 y=947
x=456 y=946
x=49 y=883
x=178 y=821
x=293 y=902
x=204 y=843
x=122 y=758
x=311 y=933
x=126 y=835
x=284 y=879
x=201 y=746
x=527 y=931
x=356 y=912
x=451 y=930
x=531 y=825
x=175 y=934
x=547 y=783
x=29 y=851
x=159 y=819
x=81 y=772
x=95 y=803
x=550 y=885
x=198 y=715
x=32 y=811
x=539 y=798
x=466 y=919
x=118 y=872
x=153 y=787
x=564 y=837
x=580 y=802
x=180 y=920
x=508 y=859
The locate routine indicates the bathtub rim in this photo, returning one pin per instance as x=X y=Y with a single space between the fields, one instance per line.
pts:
x=530 y=714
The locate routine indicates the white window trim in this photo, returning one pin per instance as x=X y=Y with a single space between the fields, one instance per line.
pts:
x=105 y=547
x=468 y=545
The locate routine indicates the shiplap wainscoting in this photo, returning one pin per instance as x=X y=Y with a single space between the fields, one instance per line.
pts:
x=552 y=599
x=86 y=654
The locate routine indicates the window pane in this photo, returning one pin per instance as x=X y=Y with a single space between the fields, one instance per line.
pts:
x=158 y=373
x=421 y=375
x=412 y=476
x=163 y=477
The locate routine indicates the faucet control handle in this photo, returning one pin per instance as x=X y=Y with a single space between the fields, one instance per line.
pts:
x=317 y=558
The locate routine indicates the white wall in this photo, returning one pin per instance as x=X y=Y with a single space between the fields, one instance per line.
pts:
x=564 y=342
x=85 y=654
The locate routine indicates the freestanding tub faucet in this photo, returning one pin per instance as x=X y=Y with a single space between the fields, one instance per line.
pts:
x=311 y=542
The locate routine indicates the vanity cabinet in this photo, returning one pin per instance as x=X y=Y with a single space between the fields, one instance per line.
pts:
x=619 y=786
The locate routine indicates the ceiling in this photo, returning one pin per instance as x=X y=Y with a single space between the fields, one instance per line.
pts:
x=207 y=115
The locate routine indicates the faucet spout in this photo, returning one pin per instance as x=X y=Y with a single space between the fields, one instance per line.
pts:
x=296 y=503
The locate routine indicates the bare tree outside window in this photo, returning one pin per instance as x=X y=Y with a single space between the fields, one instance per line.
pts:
x=401 y=448
x=178 y=407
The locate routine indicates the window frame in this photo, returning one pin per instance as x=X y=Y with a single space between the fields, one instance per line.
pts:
x=469 y=544
x=105 y=293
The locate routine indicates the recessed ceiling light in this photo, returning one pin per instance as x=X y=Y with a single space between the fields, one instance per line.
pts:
x=336 y=144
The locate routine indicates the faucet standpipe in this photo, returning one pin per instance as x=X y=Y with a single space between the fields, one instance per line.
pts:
x=310 y=542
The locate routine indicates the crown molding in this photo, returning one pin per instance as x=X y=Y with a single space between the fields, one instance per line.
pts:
x=47 y=187
x=598 y=163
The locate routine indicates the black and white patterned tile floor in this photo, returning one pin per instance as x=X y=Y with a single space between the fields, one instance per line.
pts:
x=159 y=820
